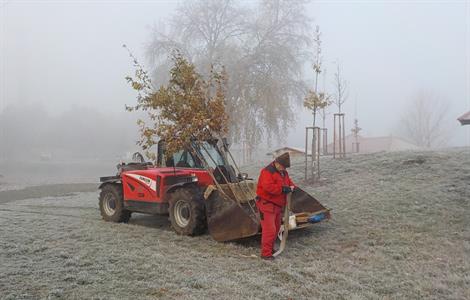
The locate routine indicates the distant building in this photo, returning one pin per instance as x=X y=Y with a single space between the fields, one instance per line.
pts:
x=465 y=119
x=293 y=151
x=375 y=144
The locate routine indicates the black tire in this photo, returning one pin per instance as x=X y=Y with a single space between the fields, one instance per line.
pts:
x=112 y=204
x=187 y=211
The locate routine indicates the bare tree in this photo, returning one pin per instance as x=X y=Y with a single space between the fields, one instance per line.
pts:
x=201 y=30
x=425 y=121
x=317 y=101
x=341 y=88
x=263 y=49
x=323 y=113
x=341 y=95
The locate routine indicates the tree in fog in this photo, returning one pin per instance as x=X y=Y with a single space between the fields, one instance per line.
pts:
x=204 y=31
x=263 y=48
x=187 y=108
x=424 y=121
x=316 y=101
x=341 y=88
x=323 y=112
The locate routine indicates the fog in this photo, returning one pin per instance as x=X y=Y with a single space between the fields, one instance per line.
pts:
x=63 y=66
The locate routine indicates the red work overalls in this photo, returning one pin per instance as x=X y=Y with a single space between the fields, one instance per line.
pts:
x=271 y=202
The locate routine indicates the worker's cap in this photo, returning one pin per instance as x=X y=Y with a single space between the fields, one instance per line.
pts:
x=283 y=159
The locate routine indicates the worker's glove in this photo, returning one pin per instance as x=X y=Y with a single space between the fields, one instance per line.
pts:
x=286 y=189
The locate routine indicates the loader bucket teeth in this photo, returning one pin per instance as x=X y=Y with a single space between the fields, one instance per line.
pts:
x=227 y=220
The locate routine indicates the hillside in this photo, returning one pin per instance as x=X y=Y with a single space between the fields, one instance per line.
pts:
x=400 y=229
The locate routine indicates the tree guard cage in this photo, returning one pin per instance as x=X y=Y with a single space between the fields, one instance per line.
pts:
x=325 y=140
x=355 y=146
x=339 y=137
x=315 y=152
x=355 y=132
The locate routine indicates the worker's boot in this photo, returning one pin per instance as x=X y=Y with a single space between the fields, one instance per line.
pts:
x=267 y=257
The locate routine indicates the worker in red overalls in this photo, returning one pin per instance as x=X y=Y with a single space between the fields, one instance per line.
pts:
x=273 y=186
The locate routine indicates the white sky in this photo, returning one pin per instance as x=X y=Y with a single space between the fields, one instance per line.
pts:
x=65 y=53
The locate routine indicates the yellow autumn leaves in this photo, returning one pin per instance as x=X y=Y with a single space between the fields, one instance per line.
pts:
x=187 y=108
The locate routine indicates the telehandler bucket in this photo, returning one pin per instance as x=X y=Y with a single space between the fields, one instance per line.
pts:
x=232 y=213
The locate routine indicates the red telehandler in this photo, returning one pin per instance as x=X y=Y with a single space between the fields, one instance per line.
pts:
x=199 y=189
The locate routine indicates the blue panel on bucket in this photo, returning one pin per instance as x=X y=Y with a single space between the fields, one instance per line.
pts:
x=316 y=218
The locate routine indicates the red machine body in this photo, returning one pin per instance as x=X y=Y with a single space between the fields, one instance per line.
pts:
x=146 y=190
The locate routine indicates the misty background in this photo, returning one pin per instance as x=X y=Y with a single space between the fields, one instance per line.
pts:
x=63 y=92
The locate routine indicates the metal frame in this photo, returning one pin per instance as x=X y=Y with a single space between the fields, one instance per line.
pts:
x=339 y=135
x=316 y=147
x=325 y=141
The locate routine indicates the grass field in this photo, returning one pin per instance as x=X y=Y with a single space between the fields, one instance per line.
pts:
x=400 y=230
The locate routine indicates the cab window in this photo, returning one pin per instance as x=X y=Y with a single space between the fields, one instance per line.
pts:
x=181 y=159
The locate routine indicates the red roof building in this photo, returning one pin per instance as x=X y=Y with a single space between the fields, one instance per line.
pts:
x=465 y=119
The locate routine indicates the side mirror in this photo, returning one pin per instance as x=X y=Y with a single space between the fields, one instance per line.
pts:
x=243 y=176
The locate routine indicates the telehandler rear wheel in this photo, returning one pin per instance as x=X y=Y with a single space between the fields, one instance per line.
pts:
x=187 y=211
x=112 y=204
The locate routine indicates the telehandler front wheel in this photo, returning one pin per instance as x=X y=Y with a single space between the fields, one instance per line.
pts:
x=187 y=211
x=112 y=204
